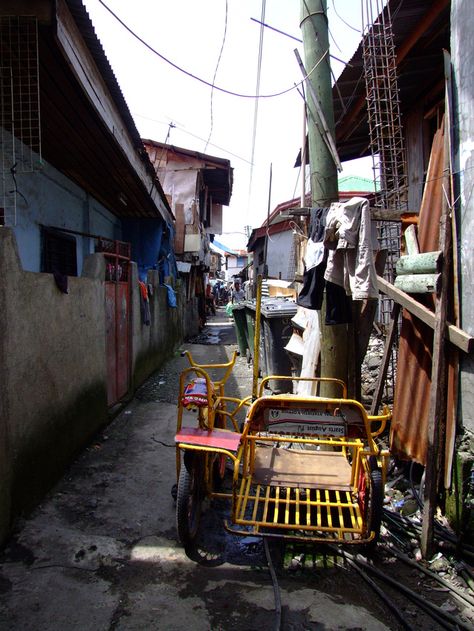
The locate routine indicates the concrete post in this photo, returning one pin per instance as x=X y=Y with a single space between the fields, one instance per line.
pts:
x=335 y=351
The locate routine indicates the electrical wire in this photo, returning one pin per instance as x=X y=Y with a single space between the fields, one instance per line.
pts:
x=193 y=76
x=185 y=131
x=215 y=72
x=343 y=20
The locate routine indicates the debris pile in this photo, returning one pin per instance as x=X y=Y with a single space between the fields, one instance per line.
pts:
x=370 y=371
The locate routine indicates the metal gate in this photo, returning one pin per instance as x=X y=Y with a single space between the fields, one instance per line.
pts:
x=117 y=314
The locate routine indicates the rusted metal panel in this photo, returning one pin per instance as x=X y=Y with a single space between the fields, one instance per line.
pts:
x=409 y=431
x=117 y=312
x=412 y=390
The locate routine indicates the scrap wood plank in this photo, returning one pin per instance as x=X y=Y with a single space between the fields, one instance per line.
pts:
x=438 y=399
x=454 y=354
x=456 y=336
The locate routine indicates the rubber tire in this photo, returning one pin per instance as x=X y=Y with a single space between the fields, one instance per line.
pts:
x=375 y=508
x=189 y=499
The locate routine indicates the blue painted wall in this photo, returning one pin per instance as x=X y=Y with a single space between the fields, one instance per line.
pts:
x=48 y=198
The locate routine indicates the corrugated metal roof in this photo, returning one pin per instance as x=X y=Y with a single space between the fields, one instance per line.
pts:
x=84 y=23
x=97 y=163
x=421 y=30
x=355 y=183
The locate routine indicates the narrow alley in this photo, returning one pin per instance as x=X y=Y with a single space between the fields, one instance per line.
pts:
x=101 y=552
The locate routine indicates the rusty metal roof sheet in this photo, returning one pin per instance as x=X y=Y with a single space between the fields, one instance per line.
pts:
x=411 y=408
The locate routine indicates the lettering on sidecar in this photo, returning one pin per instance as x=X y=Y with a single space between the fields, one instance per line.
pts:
x=305 y=421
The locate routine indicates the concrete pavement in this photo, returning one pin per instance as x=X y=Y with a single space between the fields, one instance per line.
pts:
x=100 y=553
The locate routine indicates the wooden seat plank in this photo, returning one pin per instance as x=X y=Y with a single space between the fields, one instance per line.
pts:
x=302 y=468
x=216 y=438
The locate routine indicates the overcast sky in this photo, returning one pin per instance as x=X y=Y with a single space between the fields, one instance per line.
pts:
x=190 y=34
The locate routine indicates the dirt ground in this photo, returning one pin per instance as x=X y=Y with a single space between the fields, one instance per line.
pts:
x=101 y=552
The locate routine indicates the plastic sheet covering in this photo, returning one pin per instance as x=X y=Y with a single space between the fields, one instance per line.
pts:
x=312 y=349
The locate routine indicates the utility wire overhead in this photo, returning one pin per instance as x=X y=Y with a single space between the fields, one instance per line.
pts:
x=193 y=76
x=215 y=72
x=185 y=131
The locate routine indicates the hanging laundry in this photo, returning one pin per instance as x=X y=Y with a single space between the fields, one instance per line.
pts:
x=171 y=296
x=144 y=303
x=351 y=239
x=311 y=295
x=338 y=305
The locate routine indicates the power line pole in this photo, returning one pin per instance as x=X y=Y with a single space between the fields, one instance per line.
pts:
x=336 y=351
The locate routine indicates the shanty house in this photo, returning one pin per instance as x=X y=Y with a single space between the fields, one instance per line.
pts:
x=80 y=204
x=197 y=186
x=282 y=237
x=433 y=419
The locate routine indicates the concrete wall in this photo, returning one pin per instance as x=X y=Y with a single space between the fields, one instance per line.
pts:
x=189 y=316
x=53 y=395
x=462 y=50
x=153 y=344
x=52 y=378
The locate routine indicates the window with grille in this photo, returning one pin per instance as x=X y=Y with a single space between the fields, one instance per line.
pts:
x=58 y=252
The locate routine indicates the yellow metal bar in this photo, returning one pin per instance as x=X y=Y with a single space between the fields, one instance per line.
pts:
x=256 y=502
x=287 y=506
x=339 y=509
x=277 y=505
x=328 y=508
x=308 y=508
x=243 y=497
x=381 y=418
x=312 y=379
x=318 y=507
x=256 y=339
x=308 y=440
x=240 y=494
x=297 y=506
x=265 y=510
x=194 y=364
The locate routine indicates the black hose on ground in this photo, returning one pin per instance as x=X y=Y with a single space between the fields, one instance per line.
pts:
x=452 y=588
x=390 y=604
x=442 y=535
x=445 y=619
x=276 y=587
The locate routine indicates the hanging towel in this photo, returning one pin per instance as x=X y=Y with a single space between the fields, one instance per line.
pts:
x=171 y=296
